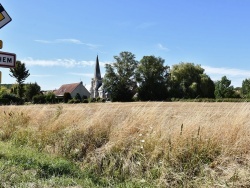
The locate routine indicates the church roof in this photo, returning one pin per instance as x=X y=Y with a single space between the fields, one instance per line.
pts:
x=69 y=88
x=97 y=70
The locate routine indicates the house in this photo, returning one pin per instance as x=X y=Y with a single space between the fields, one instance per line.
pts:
x=73 y=89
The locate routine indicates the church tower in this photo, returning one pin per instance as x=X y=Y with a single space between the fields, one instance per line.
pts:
x=96 y=82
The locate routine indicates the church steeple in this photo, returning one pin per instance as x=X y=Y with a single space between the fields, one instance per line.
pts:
x=97 y=70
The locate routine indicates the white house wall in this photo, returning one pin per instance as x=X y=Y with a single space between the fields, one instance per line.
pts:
x=81 y=90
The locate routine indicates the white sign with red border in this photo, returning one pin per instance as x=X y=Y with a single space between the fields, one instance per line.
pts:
x=7 y=60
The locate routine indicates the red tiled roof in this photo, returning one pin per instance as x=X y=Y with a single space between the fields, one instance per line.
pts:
x=66 y=88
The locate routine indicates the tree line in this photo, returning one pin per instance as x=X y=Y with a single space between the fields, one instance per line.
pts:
x=130 y=80
x=151 y=80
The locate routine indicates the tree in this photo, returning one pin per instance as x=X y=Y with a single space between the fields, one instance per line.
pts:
x=31 y=90
x=50 y=97
x=119 y=79
x=245 y=89
x=66 y=97
x=190 y=81
x=207 y=87
x=3 y=90
x=20 y=73
x=223 y=89
x=152 y=77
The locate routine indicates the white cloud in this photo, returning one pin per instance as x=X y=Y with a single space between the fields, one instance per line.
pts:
x=235 y=75
x=70 y=41
x=89 y=75
x=161 y=47
x=68 y=63
x=226 y=71
x=41 y=75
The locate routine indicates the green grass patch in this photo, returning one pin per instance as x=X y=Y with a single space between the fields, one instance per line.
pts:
x=25 y=167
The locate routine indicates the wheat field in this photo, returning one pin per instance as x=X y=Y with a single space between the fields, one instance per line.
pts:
x=155 y=144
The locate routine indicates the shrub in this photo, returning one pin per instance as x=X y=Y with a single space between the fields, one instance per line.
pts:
x=73 y=101
x=92 y=99
x=66 y=97
x=4 y=101
x=85 y=101
x=84 y=97
x=39 y=99
x=12 y=99
x=78 y=97
x=50 y=97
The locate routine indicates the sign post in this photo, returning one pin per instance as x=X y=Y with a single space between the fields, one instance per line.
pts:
x=6 y=59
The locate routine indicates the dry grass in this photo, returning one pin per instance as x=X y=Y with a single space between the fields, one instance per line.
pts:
x=161 y=144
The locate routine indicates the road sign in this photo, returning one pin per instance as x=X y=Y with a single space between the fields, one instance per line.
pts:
x=7 y=60
x=1 y=44
x=4 y=17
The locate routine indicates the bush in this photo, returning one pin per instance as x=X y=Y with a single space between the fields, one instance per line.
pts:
x=50 y=97
x=39 y=99
x=4 y=101
x=78 y=97
x=12 y=99
x=84 y=97
x=92 y=99
x=66 y=97
x=73 y=101
x=85 y=101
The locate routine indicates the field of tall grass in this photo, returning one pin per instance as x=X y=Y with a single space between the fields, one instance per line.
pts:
x=154 y=144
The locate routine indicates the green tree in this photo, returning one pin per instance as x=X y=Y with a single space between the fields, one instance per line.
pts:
x=31 y=90
x=119 y=79
x=223 y=89
x=50 y=97
x=20 y=73
x=245 y=89
x=78 y=97
x=189 y=81
x=3 y=90
x=207 y=86
x=66 y=97
x=152 y=77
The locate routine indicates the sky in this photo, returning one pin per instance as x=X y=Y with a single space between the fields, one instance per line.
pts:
x=59 y=40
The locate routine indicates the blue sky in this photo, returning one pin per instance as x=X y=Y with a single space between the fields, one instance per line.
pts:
x=59 y=40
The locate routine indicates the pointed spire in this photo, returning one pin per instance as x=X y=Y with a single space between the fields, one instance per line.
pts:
x=97 y=70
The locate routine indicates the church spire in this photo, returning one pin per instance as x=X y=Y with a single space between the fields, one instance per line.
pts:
x=97 y=70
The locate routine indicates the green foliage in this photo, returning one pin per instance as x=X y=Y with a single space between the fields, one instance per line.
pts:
x=92 y=100
x=189 y=81
x=152 y=77
x=22 y=165
x=73 y=101
x=78 y=97
x=50 y=97
x=3 y=90
x=207 y=87
x=119 y=79
x=31 y=90
x=39 y=99
x=85 y=101
x=245 y=89
x=223 y=89
x=66 y=97
x=84 y=97
x=20 y=73
x=11 y=99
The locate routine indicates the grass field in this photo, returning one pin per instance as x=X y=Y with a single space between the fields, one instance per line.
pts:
x=154 y=144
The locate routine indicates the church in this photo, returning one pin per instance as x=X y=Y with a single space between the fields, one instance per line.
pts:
x=96 y=89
